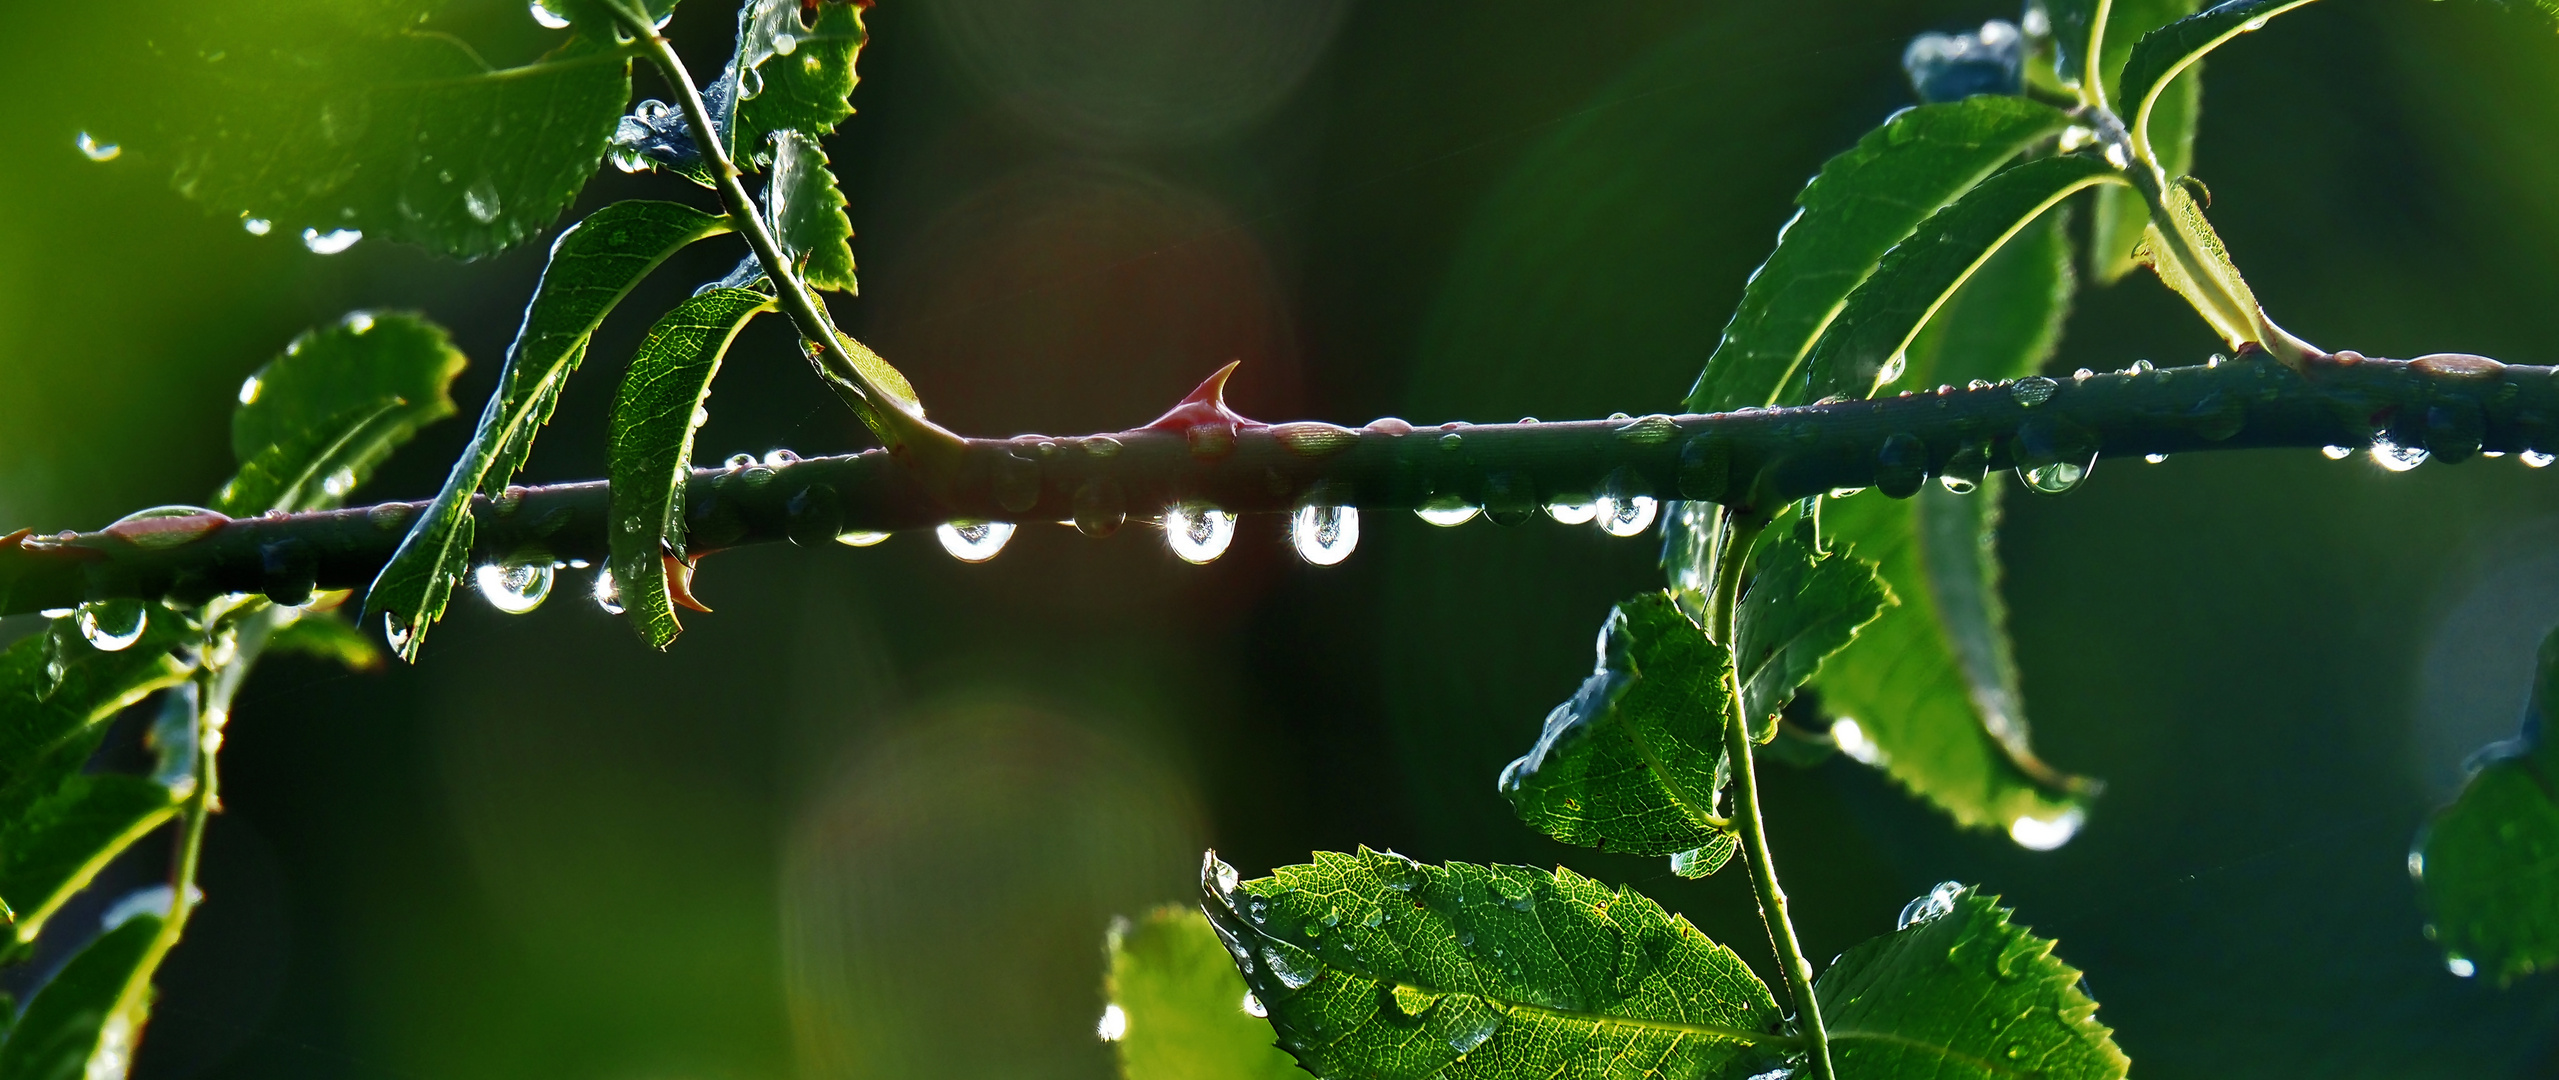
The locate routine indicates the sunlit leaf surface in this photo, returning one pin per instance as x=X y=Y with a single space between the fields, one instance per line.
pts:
x=1800 y=609
x=1178 y=1010
x=314 y=423
x=85 y=1021
x=808 y=213
x=2489 y=863
x=1372 y=965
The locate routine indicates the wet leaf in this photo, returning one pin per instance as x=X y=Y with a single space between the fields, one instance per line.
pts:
x=1634 y=763
x=592 y=266
x=1181 y=1005
x=49 y=725
x=1864 y=201
x=1800 y=608
x=1960 y=992
x=315 y=422
x=53 y=849
x=652 y=447
x=1931 y=684
x=85 y=1021
x=2489 y=863
x=2160 y=55
x=2170 y=111
x=804 y=86
x=807 y=213
x=1372 y=965
x=1877 y=323
x=324 y=635
x=358 y=117
x=2126 y=22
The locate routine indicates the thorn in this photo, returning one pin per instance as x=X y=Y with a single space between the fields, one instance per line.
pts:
x=1205 y=419
x=679 y=583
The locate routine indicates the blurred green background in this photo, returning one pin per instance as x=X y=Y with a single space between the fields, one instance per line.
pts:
x=871 y=818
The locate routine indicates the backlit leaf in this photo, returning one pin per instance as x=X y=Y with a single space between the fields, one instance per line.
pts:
x=1800 y=609
x=1635 y=762
x=63 y=840
x=2489 y=863
x=1372 y=965
x=325 y=635
x=1181 y=1006
x=652 y=447
x=1877 y=323
x=1864 y=201
x=315 y=422
x=2126 y=22
x=85 y=1021
x=50 y=721
x=2121 y=213
x=807 y=213
x=1930 y=686
x=795 y=77
x=593 y=265
x=2157 y=59
x=1958 y=993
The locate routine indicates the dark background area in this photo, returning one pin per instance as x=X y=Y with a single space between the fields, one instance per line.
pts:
x=871 y=817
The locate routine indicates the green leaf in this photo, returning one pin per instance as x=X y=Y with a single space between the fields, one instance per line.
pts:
x=804 y=85
x=1800 y=608
x=652 y=447
x=2489 y=863
x=807 y=214
x=85 y=1021
x=2163 y=53
x=351 y=117
x=56 y=692
x=55 y=848
x=1372 y=965
x=2126 y=22
x=2121 y=213
x=1634 y=763
x=1864 y=201
x=324 y=635
x=315 y=422
x=1959 y=992
x=593 y=265
x=1875 y=326
x=1180 y=1005
x=1930 y=685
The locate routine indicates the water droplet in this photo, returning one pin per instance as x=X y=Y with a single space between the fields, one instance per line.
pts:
x=859 y=538
x=1509 y=499
x=1892 y=370
x=1901 y=465
x=95 y=150
x=2218 y=416
x=396 y=632
x=606 y=593
x=330 y=242
x=1253 y=1006
x=2454 y=431
x=1295 y=969
x=1965 y=468
x=1114 y=1024
x=786 y=43
x=1446 y=510
x=1197 y=532
x=973 y=541
x=2082 y=375
x=338 y=482
x=2336 y=453
x=1940 y=901
x=1573 y=509
x=738 y=461
x=164 y=527
x=2045 y=834
x=2054 y=479
x=1016 y=481
x=550 y=20
x=1466 y=1039
x=1452 y=442
x=1625 y=514
x=113 y=625
x=1389 y=425
x=1854 y=742
x=2460 y=967
x=2154 y=458
x=1100 y=507
x=514 y=589
x=2535 y=459
x=2033 y=391
x=2417 y=866
x=778 y=457
x=2394 y=457
x=1649 y=431
x=480 y=200
x=256 y=226
x=2253 y=25
x=1324 y=535
x=1705 y=468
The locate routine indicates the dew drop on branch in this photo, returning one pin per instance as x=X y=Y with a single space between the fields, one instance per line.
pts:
x=973 y=541
x=1571 y=510
x=606 y=593
x=1324 y=535
x=860 y=538
x=2395 y=457
x=330 y=242
x=113 y=625
x=95 y=150
x=1446 y=510
x=1198 y=533
x=1114 y=1024
x=2535 y=459
x=514 y=589
x=1253 y=1006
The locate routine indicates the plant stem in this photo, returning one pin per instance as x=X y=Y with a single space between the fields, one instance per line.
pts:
x=907 y=435
x=1750 y=461
x=1740 y=535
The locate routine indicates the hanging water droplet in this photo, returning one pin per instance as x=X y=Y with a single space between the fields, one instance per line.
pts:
x=480 y=200
x=2534 y=459
x=396 y=632
x=973 y=541
x=1198 y=533
x=1100 y=507
x=1625 y=514
x=786 y=43
x=1901 y=465
x=1571 y=509
x=2045 y=834
x=547 y=18
x=2460 y=967
x=2454 y=431
x=606 y=593
x=2336 y=453
x=94 y=150
x=1940 y=901
x=1452 y=442
x=330 y=242
x=2218 y=416
x=1114 y=1023
x=256 y=226
x=859 y=538
x=2054 y=479
x=1509 y=499
x=390 y=516
x=2154 y=458
x=1253 y=1006
x=514 y=589
x=113 y=625
x=1705 y=468
x=1445 y=510
x=1324 y=535
x=1965 y=468
x=2394 y=457
x=2033 y=390
x=1016 y=481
